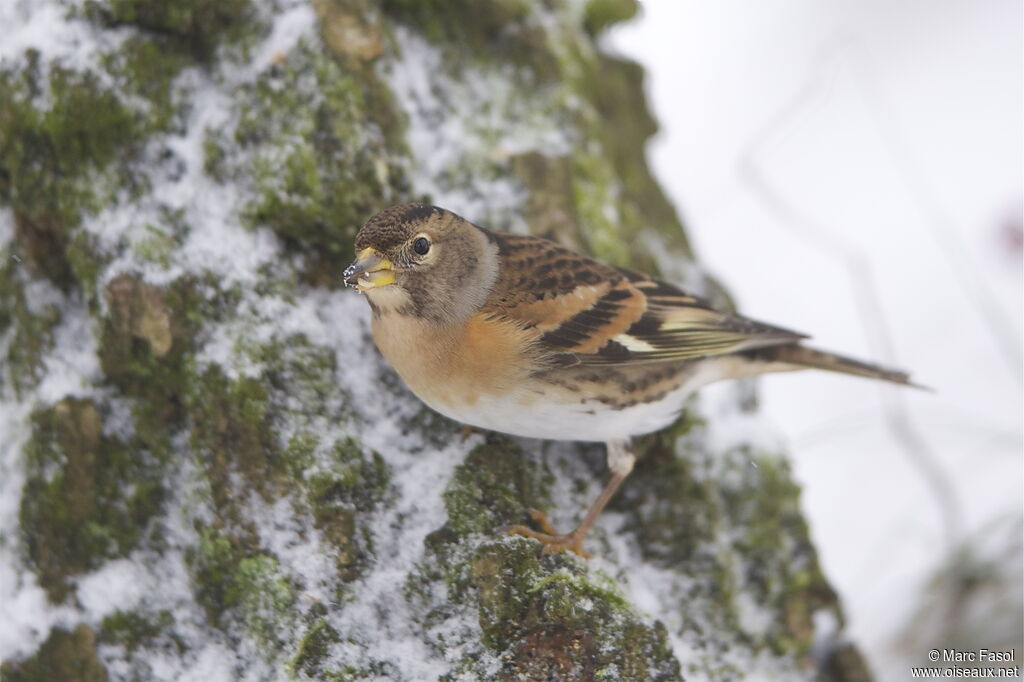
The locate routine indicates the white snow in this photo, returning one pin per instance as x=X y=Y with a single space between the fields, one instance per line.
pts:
x=42 y=25
x=464 y=132
x=72 y=366
x=216 y=242
x=25 y=614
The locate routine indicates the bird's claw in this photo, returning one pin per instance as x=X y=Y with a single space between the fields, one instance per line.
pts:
x=552 y=540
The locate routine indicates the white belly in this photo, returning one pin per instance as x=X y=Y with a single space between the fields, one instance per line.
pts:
x=518 y=415
x=555 y=417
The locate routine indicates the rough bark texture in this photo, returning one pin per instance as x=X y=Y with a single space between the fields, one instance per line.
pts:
x=207 y=470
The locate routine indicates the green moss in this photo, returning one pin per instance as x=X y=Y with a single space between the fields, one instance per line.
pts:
x=662 y=490
x=66 y=656
x=265 y=597
x=600 y=14
x=782 y=569
x=548 y=616
x=356 y=483
x=493 y=487
x=145 y=68
x=192 y=26
x=296 y=368
x=68 y=143
x=319 y=144
x=439 y=20
x=677 y=512
x=620 y=121
x=137 y=639
x=88 y=497
x=355 y=477
x=549 y=620
x=31 y=333
x=235 y=430
x=55 y=163
x=215 y=154
x=212 y=563
x=313 y=649
x=774 y=505
x=156 y=247
x=601 y=197
x=594 y=192
x=435 y=430
x=235 y=583
x=85 y=262
x=301 y=450
x=234 y=434
x=500 y=30
x=518 y=588
x=66 y=146
x=145 y=351
x=135 y=630
x=550 y=209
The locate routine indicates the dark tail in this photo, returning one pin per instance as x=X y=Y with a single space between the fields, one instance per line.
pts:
x=801 y=357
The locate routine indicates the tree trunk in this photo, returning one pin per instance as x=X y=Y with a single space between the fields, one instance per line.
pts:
x=207 y=470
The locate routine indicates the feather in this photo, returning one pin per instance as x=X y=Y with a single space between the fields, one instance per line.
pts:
x=611 y=316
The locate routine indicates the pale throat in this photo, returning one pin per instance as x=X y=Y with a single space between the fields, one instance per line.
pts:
x=388 y=300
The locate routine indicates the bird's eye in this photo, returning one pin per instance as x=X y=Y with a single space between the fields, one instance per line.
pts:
x=421 y=246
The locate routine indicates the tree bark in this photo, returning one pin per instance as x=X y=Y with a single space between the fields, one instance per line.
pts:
x=207 y=469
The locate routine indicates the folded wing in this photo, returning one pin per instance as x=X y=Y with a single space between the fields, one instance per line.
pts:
x=599 y=315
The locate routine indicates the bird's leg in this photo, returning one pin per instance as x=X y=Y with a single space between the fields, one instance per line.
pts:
x=620 y=461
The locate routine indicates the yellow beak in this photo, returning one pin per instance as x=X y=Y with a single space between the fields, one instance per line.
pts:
x=371 y=270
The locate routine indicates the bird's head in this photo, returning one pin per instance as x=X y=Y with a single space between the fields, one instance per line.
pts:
x=422 y=260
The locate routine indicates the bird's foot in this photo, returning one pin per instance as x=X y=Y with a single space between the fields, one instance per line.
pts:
x=552 y=540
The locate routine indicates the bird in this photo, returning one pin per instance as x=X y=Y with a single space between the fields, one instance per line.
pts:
x=521 y=335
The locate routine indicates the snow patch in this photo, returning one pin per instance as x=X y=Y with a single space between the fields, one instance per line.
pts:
x=466 y=131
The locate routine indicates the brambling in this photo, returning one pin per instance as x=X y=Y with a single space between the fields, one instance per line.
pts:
x=520 y=335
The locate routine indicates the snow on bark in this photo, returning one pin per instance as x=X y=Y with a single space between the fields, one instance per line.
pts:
x=206 y=470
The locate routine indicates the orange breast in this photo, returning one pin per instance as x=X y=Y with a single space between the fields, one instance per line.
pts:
x=456 y=365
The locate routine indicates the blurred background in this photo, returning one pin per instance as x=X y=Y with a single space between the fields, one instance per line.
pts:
x=854 y=171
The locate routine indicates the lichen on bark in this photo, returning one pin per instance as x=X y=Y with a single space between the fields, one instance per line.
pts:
x=75 y=510
x=228 y=451
x=69 y=656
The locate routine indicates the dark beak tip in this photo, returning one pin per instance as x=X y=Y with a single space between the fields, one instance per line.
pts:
x=351 y=274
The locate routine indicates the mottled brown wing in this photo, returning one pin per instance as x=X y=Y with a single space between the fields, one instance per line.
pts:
x=592 y=313
x=680 y=326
